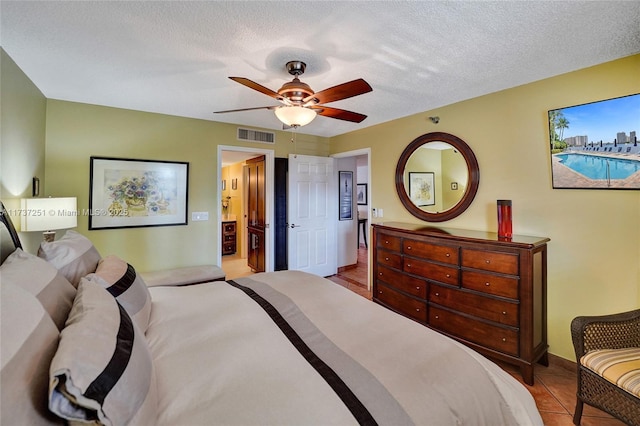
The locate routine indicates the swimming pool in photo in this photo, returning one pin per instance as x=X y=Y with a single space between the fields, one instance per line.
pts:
x=595 y=167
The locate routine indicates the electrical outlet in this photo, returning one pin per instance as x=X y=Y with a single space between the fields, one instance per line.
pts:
x=380 y=213
x=197 y=216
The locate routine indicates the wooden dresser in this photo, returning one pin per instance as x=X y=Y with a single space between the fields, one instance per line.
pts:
x=228 y=237
x=487 y=293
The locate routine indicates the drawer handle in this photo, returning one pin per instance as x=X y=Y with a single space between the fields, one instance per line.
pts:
x=417 y=309
x=386 y=242
x=448 y=255
x=437 y=316
x=408 y=247
x=386 y=258
x=437 y=294
x=448 y=276
x=379 y=291
x=487 y=284
x=380 y=273
x=417 y=288
x=487 y=261
x=504 y=312
x=504 y=339
x=408 y=265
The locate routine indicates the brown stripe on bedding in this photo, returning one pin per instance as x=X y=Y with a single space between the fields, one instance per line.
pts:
x=124 y=283
x=367 y=399
x=107 y=379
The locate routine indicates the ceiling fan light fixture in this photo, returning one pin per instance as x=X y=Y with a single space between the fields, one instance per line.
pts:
x=295 y=115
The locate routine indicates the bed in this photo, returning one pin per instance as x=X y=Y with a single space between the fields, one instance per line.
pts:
x=84 y=340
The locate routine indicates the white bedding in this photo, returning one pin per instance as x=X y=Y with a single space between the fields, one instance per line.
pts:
x=220 y=359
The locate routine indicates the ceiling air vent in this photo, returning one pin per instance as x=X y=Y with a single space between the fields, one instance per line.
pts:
x=256 y=136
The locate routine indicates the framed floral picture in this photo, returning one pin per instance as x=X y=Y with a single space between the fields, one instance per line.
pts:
x=422 y=188
x=127 y=193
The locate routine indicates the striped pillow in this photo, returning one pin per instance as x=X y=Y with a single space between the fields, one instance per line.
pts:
x=121 y=280
x=102 y=370
x=42 y=280
x=29 y=340
x=74 y=255
x=619 y=366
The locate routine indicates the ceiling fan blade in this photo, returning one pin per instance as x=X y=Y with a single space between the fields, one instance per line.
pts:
x=341 y=91
x=255 y=86
x=245 y=109
x=340 y=114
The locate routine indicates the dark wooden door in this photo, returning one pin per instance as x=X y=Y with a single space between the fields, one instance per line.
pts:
x=280 y=227
x=256 y=213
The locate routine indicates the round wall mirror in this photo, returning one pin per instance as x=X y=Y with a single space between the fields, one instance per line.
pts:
x=437 y=177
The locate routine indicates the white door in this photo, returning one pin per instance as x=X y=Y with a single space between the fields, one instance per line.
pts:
x=312 y=212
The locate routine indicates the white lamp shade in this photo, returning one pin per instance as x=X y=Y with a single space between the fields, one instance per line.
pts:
x=295 y=115
x=48 y=214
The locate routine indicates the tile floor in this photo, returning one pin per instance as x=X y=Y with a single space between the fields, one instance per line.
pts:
x=555 y=386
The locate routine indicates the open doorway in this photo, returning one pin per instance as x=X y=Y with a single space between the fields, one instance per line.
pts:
x=233 y=209
x=354 y=235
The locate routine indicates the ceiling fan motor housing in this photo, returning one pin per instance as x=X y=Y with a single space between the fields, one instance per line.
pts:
x=295 y=90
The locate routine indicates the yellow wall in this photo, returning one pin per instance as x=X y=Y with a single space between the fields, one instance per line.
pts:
x=22 y=141
x=236 y=201
x=77 y=131
x=594 y=253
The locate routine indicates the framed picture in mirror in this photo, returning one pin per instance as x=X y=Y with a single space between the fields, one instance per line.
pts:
x=422 y=188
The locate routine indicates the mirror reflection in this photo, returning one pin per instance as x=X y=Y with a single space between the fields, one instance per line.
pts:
x=436 y=177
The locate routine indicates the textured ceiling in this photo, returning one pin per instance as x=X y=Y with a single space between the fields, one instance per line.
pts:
x=175 y=57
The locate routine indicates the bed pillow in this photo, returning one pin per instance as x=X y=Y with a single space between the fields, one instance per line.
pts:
x=102 y=370
x=29 y=340
x=74 y=255
x=41 y=279
x=121 y=280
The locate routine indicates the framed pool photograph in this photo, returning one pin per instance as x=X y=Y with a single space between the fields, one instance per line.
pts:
x=595 y=145
x=127 y=193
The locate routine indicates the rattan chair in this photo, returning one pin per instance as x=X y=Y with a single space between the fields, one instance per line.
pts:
x=615 y=331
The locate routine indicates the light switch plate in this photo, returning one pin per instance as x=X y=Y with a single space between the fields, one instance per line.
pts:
x=197 y=216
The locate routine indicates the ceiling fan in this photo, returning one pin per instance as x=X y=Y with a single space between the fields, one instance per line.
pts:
x=301 y=104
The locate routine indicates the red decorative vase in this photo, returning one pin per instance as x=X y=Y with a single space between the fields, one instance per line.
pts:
x=504 y=219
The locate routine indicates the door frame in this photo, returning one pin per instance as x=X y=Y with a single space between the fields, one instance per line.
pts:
x=356 y=153
x=269 y=204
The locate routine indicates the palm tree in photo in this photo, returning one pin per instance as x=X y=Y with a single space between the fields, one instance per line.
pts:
x=561 y=124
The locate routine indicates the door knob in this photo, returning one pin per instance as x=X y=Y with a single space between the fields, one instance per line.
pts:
x=293 y=225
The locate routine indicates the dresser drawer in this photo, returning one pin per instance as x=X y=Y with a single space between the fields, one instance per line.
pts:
x=505 y=263
x=400 y=281
x=387 y=258
x=406 y=305
x=432 y=271
x=229 y=227
x=490 y=283
x=388 y=241
x=494 y=337
x=438 y=253
x=496 y=310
